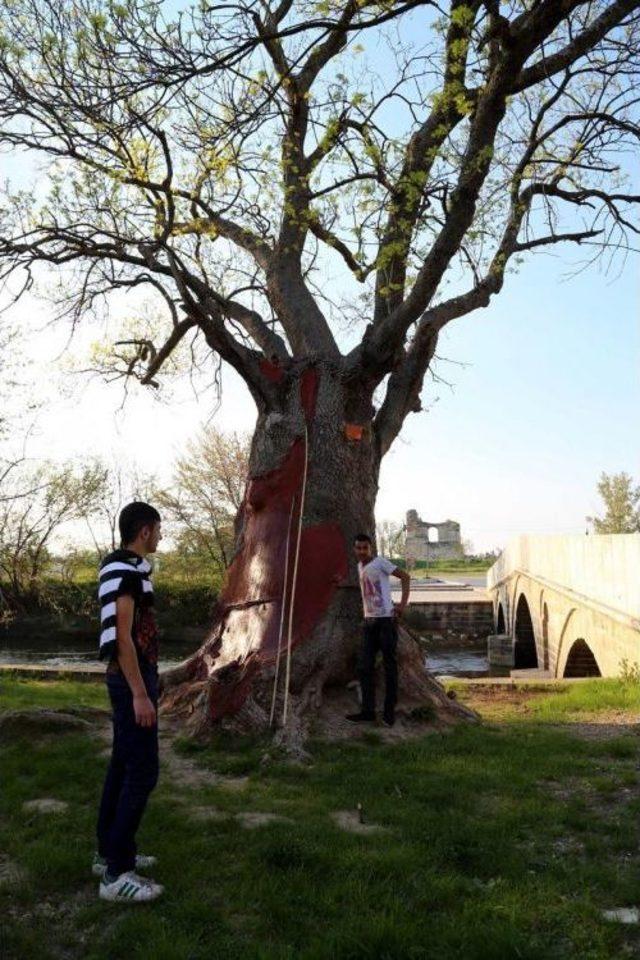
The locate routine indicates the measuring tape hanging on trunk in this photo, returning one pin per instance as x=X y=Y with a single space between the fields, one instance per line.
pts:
x=282 y=612
x=295 y=574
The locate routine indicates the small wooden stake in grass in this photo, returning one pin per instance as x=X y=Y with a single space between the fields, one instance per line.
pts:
x=360 y=813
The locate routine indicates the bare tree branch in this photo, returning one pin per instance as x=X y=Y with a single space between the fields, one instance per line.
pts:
x=216 y=157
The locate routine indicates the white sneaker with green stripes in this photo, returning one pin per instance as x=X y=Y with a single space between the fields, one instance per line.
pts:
x=130 y=888
x=143 y=862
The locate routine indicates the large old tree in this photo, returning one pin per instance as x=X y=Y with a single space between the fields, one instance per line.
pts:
x=313 y=190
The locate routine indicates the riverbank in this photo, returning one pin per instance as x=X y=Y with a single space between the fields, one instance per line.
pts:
x=494 y=841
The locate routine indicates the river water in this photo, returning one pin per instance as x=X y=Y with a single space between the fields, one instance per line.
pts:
x=58 y=650
x=458 y=661
x=450 y=660
x=70 y=658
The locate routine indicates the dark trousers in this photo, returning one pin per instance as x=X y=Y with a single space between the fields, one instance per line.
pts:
x=380 y=633
x=132 y=775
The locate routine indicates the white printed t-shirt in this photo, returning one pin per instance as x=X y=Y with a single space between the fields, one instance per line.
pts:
x=375 y=587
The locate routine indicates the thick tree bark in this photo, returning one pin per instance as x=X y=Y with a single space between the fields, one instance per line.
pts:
x=293 y=578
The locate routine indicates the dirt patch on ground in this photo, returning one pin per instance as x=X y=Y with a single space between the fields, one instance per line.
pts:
x=60 y=913
x=353 y=822
x=251 y=819
x=45 y=805
x=337 y=728
x=603 y=726
x=562 y=847
x=204 y=814
x=41 y=722
x=183 y=772
x=622 y=915
x=188 y=775
x=495 y=703
x=330 y=722
x=10 y=871
x=233 y=783
x=489 y=701
x=605 y=803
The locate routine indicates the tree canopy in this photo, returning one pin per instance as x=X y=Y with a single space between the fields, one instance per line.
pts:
x=232 y=158
x=36 y=500
x=204 y=497
x=621 y=499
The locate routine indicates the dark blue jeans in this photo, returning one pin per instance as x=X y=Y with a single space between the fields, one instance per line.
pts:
x=132 y=775
x=380 y=634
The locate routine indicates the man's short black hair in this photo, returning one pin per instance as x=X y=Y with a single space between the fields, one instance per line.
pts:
x=362 y=537
x=134 y=517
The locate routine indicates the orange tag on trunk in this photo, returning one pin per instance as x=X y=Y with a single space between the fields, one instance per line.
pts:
x=353 y=431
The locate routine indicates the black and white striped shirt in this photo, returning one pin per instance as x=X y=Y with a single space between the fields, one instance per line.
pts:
x=122 y=573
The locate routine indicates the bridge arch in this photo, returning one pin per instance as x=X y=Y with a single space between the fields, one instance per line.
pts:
x=581 y=661
x=517 y=589
x=525 y=655
x=501 y=626
x=582 y=597
x=570 y=626
x=576 y=657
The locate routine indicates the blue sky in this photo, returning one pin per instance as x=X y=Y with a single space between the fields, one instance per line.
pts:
x=550 y=398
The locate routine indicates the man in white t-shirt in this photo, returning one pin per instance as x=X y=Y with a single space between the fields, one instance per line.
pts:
x=380 y=628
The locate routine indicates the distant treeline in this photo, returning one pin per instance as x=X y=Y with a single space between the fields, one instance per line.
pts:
x=50 y=512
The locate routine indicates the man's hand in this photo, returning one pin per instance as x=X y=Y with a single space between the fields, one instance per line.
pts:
x=144 y=710
x=405 y=579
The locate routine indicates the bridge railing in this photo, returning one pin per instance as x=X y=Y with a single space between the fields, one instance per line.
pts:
x=605 y=568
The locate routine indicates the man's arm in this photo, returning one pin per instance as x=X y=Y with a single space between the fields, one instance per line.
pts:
x=128 y=659
x=405 y=579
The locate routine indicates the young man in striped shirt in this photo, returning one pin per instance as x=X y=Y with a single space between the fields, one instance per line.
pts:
x=129 y=639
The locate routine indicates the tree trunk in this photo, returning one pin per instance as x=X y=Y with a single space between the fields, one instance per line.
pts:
x=293 y=583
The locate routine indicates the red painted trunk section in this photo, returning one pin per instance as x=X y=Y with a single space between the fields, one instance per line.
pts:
x=309 y=383
x=247 y=630
x=271 y=370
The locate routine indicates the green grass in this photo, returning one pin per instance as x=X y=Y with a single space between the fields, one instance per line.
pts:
x=455 y=567
x=585 y=698
x=502 y=841
x=18 y=694
x=462 y=566
x=558 y=702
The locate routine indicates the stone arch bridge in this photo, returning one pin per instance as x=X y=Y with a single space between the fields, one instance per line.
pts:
x=567 y=606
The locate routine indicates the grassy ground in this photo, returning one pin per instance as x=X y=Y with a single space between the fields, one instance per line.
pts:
x=503 y=840
x=449 y=568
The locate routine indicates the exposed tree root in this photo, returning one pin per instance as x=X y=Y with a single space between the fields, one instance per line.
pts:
x=316 y=708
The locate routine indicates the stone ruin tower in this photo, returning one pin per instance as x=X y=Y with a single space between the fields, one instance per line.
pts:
x=432 y=541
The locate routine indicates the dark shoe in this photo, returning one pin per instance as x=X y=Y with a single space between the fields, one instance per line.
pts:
x=389 y=719
x=361 y=717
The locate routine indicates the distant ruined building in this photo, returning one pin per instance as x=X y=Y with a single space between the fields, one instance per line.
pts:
x=432 y=541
